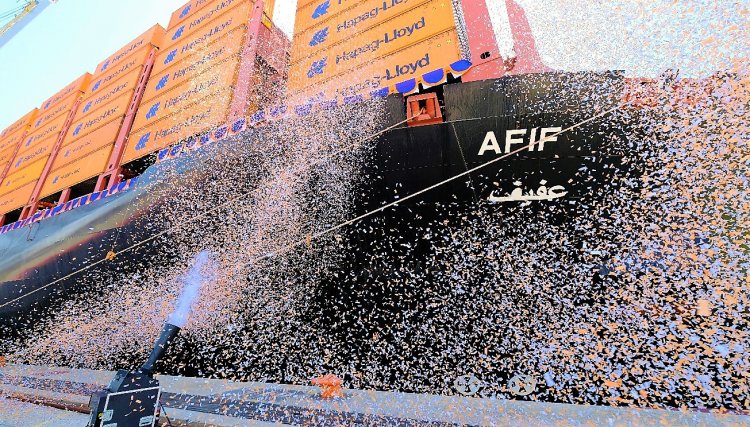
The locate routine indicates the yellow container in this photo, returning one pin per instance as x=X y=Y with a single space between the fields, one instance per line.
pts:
x=50 y=130
x=314 y=12
x=187 y=11
x=11 y=141
x=6 y=156
x=63 y=107
x=358 y=19
x=114 y=110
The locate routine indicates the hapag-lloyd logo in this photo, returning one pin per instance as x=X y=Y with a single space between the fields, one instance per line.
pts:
x=178 y=33
x=105 y=65
x=143 y=141
x=370 y=14
x=197 y=22
x=120 y=71
x=25 y=159
x=52 y=114
x=317 y=68
x=407 y=70
x=321 y=10
x=319 y=37
x=162 y=82
x=376 y=82
x=189 y=47
x=387 y=37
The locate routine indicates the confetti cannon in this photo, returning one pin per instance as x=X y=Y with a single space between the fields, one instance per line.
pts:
x=132 y=398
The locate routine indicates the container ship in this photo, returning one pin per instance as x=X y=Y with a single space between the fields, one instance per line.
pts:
x=71 y=165
x=464 y=123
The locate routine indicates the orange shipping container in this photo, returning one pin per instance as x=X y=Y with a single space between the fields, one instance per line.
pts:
x=356 y=19
x=81 y=147
x=6 y=156
x=113 y=74
x=123 y=87
x=314 y=12
x=152 y=37
x=11 y=141
x=413 y=61
x=15 y=199
x=200 y=117
x=193 y=65
x=76 y=172
x=198 y=40
x=63 y=107
x=187 y=11
x=27 y=157
x=51 y=130
x=105 y=114
x=303 y=3
x=218 y=79
x=418 y=24
x=24 y=176
x=201 y=18
x=79 y=85
x=19 y=124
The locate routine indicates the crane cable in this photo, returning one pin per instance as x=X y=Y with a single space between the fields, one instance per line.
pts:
x=17 y=11
x=394 y=203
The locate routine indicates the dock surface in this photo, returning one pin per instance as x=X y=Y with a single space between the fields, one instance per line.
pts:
x=48 y=396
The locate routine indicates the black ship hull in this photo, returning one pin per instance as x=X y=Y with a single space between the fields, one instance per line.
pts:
x=480 y=156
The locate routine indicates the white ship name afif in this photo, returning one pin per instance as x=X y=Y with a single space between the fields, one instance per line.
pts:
x=513 y=137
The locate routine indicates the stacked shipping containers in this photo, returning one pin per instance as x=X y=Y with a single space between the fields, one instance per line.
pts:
x=163 y=87
x=38 y=147
x=10 y=140
x=360 y=48
x=195 y=74
x=90 y=140
x=10 y=143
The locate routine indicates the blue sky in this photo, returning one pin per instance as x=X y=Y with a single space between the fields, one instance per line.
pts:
x=641 y=37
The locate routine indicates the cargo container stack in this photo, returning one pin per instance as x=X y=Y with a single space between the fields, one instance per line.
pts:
x=207 y=73
x=10 y=140
x=32 y=162
x=348 y=50
x=102 y=120
x=10 y=143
